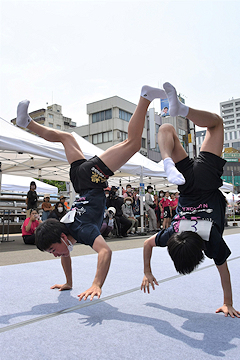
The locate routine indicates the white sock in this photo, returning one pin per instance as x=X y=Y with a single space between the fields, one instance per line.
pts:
x=23 y=119
x=176 y=106
x=173 y=175
x=151 y=93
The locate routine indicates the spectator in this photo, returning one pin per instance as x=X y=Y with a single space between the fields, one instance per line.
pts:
x=107 y=190
x=157 y=210
x=165 y=206
x=108 y=221
x=136 y=206
x=58 y=212
x=174 y=204
x=150 y=206
x=29 y=226
x=64 y=202
x=115 y=201
x=128 y=214
x=46 y=206
x=32 y=198
x=129 y=191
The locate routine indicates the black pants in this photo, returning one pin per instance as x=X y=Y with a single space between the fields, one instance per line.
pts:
x=29 y=239
x=123 y=225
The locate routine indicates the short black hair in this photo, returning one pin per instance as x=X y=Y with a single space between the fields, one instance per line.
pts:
x=48 y=233
x=31 y=210
x=149 y=187
x=186 y=251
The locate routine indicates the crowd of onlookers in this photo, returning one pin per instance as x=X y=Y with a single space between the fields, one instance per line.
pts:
x=33 y=219
x=121 y=216
x=124 y=217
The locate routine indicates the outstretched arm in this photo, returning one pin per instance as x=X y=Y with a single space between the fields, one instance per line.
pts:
x=104 y=260
x=67 y=268
x=147 y=254
x=227 y=307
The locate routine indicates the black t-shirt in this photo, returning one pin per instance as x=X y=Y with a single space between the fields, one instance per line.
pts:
x=32 y=200
x=117 y=203
x=202 y=206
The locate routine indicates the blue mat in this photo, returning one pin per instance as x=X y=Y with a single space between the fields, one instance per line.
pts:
x=176 y=321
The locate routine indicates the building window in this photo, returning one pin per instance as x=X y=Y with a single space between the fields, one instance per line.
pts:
x=102 y=115
x=50 y=116
x=236 y=145
x=94 y=139
x=58 y=127
x=85 y=137
x=144 y=143
x=99 y=138
x=228 y=122
x=102 y=137
x=182 y=137
x=50 y=125
x=229 y=127
x=124 y=115
x=108 y=114
x=226 y=145
x=107 y=136
x=122 y=135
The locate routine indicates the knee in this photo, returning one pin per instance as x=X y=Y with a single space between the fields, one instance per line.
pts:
x=169 y=128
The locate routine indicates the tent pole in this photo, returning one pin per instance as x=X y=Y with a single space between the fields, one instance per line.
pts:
x=141 y=201
x=72 y=194
x=0 y=177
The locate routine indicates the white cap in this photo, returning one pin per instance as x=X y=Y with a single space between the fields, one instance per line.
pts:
x=111 y=208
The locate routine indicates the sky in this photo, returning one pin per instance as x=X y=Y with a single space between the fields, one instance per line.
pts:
x=73 y=53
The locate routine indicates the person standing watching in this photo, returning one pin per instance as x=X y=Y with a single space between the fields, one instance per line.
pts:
x=32 y=198
x=150 y=206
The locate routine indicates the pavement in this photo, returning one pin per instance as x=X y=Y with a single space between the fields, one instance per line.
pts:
x=176 y=321
x=15 y=251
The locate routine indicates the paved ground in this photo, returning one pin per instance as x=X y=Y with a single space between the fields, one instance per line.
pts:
x=176 y=321
x=16 y=252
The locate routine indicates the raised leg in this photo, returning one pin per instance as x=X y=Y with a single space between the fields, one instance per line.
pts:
x=119 y=154
x=169 y=144
x=72 y=149
x=213 y=141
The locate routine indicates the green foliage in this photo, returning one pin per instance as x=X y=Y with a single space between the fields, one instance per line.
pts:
x=61 y=185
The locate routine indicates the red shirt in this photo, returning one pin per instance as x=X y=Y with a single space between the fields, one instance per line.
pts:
x=165 y=202
x=34 y=225
x=174 y=203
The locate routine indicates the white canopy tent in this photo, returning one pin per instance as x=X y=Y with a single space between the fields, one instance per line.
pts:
x=22 y=153
x=21 y=184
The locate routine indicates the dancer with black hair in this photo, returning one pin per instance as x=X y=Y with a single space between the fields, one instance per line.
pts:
x=89 y=178
x=198 y=226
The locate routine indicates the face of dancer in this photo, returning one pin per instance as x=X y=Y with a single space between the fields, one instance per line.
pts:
x=60 y=249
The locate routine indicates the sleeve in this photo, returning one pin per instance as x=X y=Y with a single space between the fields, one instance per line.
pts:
x=163 y=236
x=148 y=199
x=124 y=210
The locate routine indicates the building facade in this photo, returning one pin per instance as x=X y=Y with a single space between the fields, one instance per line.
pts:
x=230 y=112
x=51 y=117
x=231 y=170
x=108 y=125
